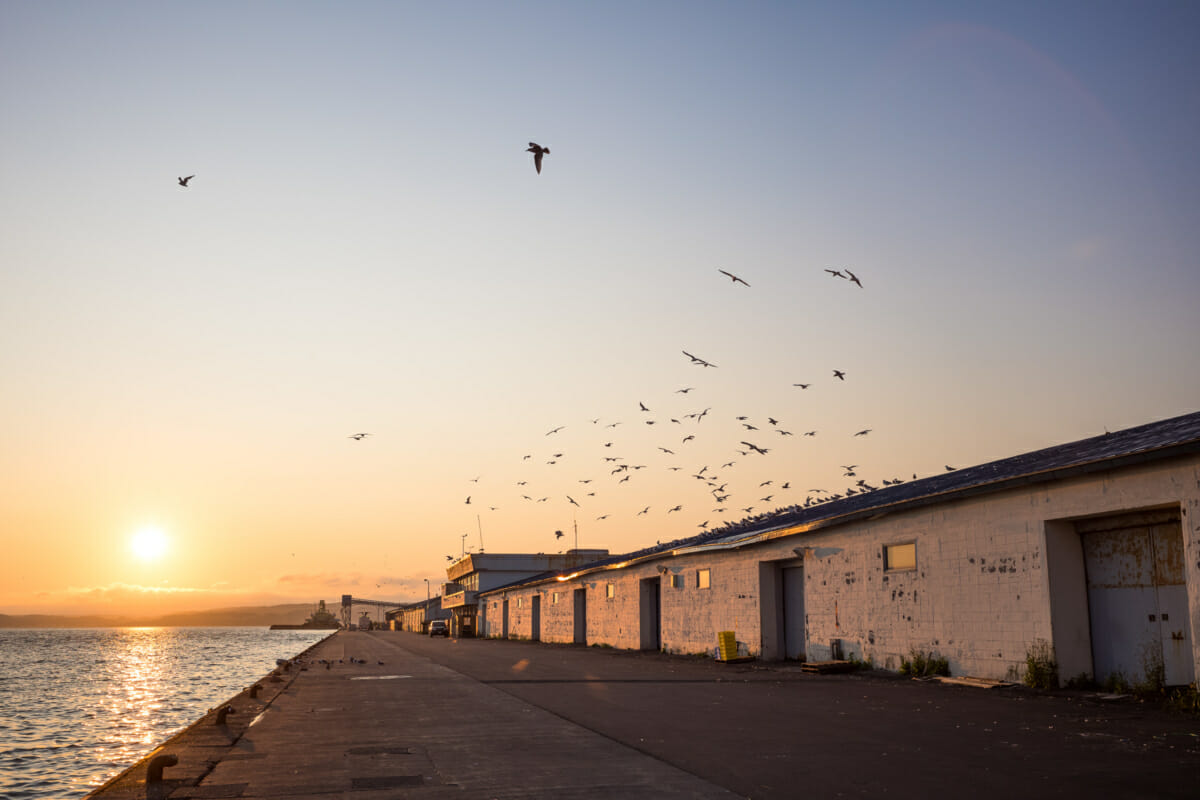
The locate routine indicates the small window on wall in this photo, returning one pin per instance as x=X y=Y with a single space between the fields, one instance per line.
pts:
x=554 y=598
x=702 y=579
x=900 y=556
x=519 y=602
x=610 y=590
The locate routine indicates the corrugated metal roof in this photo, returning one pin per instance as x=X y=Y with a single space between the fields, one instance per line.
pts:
x=1164 y=439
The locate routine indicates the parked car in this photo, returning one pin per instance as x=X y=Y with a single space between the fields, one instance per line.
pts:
x=438 y=627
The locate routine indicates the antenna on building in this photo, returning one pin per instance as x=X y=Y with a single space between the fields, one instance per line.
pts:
x=575 y=523
x=479 y=522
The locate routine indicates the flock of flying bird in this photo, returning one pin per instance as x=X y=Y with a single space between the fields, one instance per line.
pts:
x=620 y=471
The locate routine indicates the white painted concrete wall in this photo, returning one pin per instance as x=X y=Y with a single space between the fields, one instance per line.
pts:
x=980 y=594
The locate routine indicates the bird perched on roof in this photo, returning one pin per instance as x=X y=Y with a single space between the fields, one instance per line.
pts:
x=732 y=277
x=184 y=181
x=538 y=151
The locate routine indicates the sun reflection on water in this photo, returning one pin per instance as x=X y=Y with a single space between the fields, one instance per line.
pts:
x=79 y=706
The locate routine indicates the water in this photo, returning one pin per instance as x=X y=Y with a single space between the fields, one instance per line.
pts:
x=78 y=706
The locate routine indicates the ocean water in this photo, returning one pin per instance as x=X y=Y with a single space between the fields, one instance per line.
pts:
x=78 y=706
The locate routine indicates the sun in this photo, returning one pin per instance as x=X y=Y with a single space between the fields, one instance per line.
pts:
x=148 y=544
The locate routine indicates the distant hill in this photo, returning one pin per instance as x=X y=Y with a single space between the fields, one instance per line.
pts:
x=247 y=616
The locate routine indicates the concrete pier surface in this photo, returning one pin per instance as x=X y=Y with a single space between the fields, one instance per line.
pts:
x=503 y=719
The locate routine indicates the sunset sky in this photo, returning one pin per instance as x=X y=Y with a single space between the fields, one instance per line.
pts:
x=366 y=247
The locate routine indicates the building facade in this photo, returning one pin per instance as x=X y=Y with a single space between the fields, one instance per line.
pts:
x=1088 y=553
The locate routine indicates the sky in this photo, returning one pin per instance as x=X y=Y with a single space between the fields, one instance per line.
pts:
x=366 y=247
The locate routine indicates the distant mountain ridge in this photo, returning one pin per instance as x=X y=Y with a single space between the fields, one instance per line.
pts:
x=242 y=616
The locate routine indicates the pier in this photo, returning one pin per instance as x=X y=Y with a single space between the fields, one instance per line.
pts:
x=459 y=718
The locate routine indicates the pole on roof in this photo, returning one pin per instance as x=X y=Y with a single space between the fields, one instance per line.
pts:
x=479 y=522
x=575 y=522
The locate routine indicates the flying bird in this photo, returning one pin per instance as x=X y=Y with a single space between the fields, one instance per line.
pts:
x=572 y=499
x=863 y=432
x=684 y=390
x=696 y=360
x=358 y=437
x=733 y=277
x=538 y=151
x=802 y=385
x=841 y=376
x=556 y=430
x=850 y=276
x=184 y=181
x=643 y=511
x=676 y=508
x=468 y=500
x=835 y=273
x=558 y=534
x=642 y=406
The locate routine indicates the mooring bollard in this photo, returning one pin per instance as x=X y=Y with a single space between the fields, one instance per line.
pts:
x=155 y=768
x=255 y=689
x=224 y=711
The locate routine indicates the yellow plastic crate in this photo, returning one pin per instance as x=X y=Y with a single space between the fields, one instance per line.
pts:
x=727 y=645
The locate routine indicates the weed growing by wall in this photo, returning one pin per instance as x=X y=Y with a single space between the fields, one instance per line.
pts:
x=1041 y=670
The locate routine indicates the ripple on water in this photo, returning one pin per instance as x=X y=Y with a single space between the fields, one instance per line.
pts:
x=79 y=706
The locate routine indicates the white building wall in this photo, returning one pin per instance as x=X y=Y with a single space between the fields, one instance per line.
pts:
x=980 y=595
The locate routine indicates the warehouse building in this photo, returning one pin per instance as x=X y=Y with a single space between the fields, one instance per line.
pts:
x=1088 y=552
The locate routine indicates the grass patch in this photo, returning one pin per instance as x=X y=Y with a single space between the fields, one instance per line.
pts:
x=1041 y=670
x=923 y=665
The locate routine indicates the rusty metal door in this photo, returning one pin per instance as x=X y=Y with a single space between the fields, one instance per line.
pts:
x=1137 y=598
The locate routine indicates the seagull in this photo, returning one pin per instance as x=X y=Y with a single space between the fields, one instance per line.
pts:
x=572 y=499
x=602 y=516
x=688 y=438
x=756 y=448
x=853 y=278
x=676 y=508
x=556 y=430
x=949 y=468
x=558 y=534
x=358 y=437
x=668 y=452
x=841 y=376
x=810 y=433
x=643 y=511
x=863 y=432
x=696 y=360
x=642 y=406
x=802 y=385
x=732 y=277
x=468 y=500
x=835 y=273
x=538 y=151
x=684 y=390
x=184 y=181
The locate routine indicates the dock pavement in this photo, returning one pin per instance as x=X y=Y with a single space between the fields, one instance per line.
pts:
x=358 y=718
